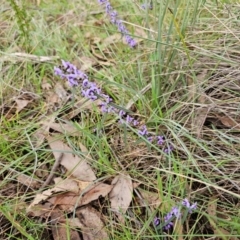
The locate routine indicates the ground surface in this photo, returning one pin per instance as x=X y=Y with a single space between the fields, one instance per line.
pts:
x=68 y=170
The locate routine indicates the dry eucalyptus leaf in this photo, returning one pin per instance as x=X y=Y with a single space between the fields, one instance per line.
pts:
x=199 y=120
x=69 y=201
x=60 y=91
x=121 y=194
x=87 y=63
x=28 y=181
x=83 y=185
x=78 y=167
x=229 y=122
x=42 y=197
x=99 y=189
x=92 y=227
x=66 y=185
x=66 y=201
x=21 y=104
x=150 y=199
x=39 y=136
x=45 y=84
x=41 y=210
x=112 y=39
x=61 y=232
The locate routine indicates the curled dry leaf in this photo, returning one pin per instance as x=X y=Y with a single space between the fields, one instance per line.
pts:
x=121 y=194
x=62 y=185
x=43 y=196
x=78 y=167
x=69 y=201
x=89 y=221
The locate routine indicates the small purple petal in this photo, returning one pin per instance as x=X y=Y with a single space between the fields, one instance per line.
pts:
x=156 y=221
x=160 y=140
x=186 y=203
x=121 y=113
x=143 y=131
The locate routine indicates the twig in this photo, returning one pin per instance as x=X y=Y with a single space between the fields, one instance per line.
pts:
x=53 y=170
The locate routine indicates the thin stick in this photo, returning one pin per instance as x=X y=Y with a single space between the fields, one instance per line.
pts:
x=53 y=170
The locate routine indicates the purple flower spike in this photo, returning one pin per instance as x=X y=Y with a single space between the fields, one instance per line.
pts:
x=118 y=22
x=143 y=131
x=156 y=221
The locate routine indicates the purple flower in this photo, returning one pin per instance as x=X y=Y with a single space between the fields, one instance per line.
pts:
x=176 y=212
x=168 y=149
x=135 y=123
x=129 y=119
x=143 y=131
x=150 y=139
x=187 y=204
x=160 y=140
x=121 y=113
x=156 y=221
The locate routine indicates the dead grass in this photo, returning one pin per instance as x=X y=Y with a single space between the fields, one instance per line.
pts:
x=186 y=88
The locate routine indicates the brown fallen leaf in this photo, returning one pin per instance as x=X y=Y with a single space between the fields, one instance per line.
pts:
x=229 y=122
x=45 y=84
x=89 y=220
x=69 y=201
x=21 y=104
x=78 y=167
x=61 y=228
x=66 y=185
x=41 y=210
x=61 y=186
x=199 y=120
x=28 y=181
x=39 y=136
x=150 y=199
x=121 y=194
x=99 y=189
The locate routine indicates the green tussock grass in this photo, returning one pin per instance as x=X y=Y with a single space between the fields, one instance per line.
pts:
x=182 y=81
